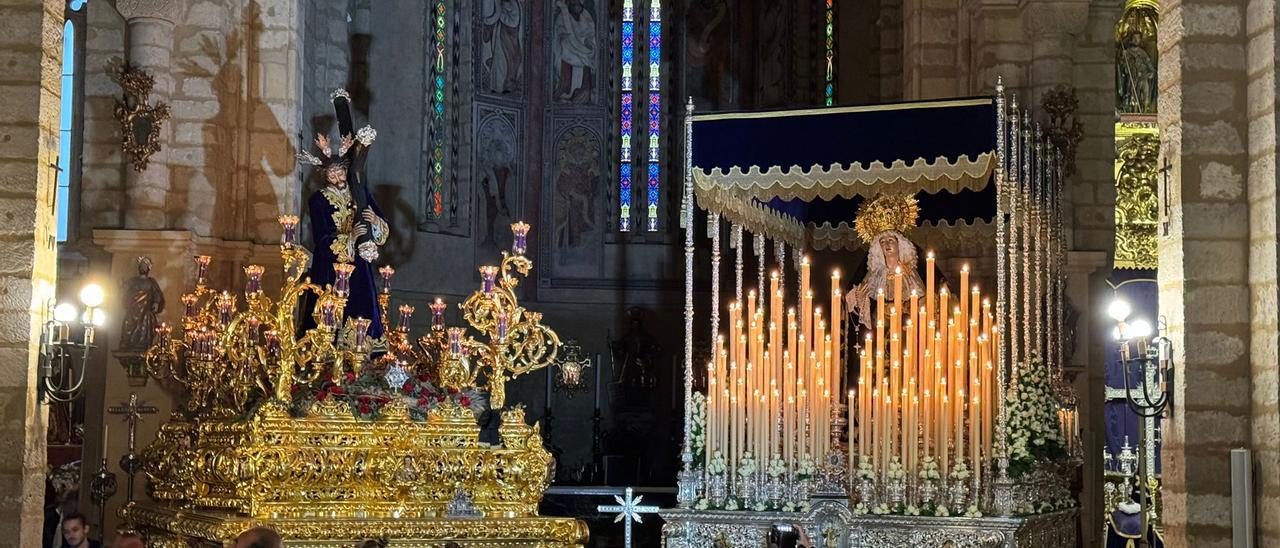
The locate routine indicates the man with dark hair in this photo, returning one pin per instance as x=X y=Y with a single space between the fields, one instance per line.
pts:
x=75 y=532
x=259 y=537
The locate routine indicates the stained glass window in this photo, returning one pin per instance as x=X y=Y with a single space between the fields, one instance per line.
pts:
x=438 y=128
x=655 y=111
x=830 y=90
x=625 y=112
x=650 y=157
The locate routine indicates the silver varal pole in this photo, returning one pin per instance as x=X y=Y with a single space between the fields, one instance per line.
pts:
x=688 y=480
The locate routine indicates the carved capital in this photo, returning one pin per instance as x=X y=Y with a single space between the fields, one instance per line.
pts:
x=164 y=10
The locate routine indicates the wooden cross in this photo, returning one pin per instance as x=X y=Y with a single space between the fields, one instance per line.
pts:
x=1165 y=170
x=630 y=510
x=132 y=412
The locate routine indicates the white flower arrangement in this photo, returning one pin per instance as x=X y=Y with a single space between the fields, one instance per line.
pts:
x=702 y=504
x=806 y=469
x=896 y=471
x=776 y=467
x=1032 y=414
x=911 y=510
x=941 y=511
x=973 y=512
x=865 y=470
x=860 y=509
x=929 y=469
x=747 y=467
x=698 y=430
x=731 y=504
x=960 y=472
x=880 y=509
x=760 y=507
x=717 y=466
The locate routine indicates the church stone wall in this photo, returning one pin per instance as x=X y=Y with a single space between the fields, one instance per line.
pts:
x=30 y=89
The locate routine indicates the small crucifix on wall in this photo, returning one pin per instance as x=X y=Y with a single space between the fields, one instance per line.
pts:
x=1166 y=169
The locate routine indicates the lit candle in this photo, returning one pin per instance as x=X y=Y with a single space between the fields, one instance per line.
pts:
x=437 y=313
x=502 y=326
x=328 y=313
x=226 y=302
x=289 y=223
x=202 y=269
x=254 y=273
x=520 y=231
x=362 y=332
x=342 y=278
x=387 y=272
x=455 y=340
x=488 y=274
x=406 y=318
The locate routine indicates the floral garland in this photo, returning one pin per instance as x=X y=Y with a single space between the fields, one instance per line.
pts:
x=1032 y=413
x=368 y=393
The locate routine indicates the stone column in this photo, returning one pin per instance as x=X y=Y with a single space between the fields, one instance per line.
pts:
x=30 y=89
x=1263 y=27
x=150 y=49
x=1204 y=268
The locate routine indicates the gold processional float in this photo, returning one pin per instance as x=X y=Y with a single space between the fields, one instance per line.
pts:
x=319 y=437
x=959 y=427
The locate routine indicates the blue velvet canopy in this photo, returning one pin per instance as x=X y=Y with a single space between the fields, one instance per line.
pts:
x=799 y=175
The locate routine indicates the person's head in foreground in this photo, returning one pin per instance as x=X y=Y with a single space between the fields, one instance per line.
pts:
x=259 y=537
x=75 y=530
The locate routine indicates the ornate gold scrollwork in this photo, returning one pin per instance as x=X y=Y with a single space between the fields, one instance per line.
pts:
x=1136 y=219
x=140 y=121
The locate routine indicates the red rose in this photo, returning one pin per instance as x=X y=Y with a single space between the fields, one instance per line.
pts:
x=465 y=401
x=295 y=388
x=423 y=377
x=407 y=386
x=365 y=409
x=322 y=395
x=453 y=390
x=422 y=402
x=422 y=391
x=363 y=398
x=337 y=390
x=350 y=377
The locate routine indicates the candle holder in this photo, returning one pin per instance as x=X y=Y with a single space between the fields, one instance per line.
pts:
x=253 y=273
x=202 y=269
x=288 y=228
x=520 y=234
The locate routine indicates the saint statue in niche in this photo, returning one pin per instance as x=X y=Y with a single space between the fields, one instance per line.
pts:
x=1137 y=75
x=575 y=50
x=500 y=44
x=347 y=227
x=144 y=301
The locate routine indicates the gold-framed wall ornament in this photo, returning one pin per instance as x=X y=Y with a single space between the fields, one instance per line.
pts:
x=140 y=121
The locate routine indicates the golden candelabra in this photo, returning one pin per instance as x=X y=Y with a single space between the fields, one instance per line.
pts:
x=243 y=451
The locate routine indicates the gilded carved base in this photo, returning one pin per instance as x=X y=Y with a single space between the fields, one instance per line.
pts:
x=165 y=527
